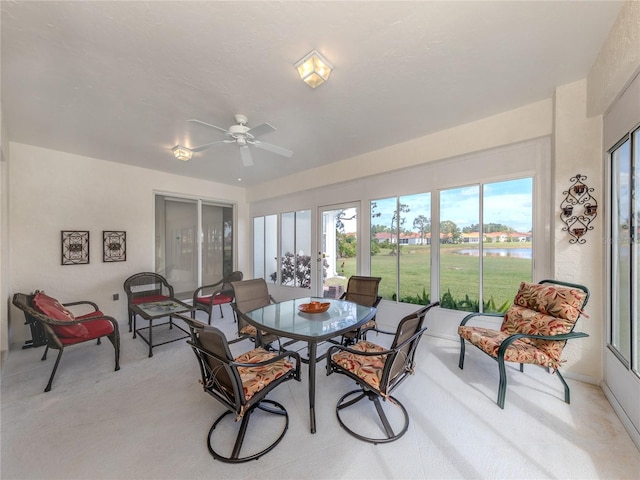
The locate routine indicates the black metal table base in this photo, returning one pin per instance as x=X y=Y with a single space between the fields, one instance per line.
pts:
x=162 y=333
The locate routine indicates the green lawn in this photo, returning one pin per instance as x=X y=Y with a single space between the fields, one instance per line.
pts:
x=458 y=274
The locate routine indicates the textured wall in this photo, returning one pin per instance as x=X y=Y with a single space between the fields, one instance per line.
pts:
x=618 y=61
x=578 y=150
x=53 y=191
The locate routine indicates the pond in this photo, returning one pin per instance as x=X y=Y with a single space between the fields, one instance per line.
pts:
x=498 y=252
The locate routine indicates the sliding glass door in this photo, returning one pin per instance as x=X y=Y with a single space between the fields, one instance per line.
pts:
x=194 y=242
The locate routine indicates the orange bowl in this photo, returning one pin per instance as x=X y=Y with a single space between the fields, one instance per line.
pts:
x=314 y=307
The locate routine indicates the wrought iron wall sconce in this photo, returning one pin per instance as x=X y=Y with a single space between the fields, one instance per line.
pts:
x=578 y=209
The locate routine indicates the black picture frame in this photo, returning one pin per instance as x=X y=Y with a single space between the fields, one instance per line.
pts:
x=75 y=247
x=114 y=246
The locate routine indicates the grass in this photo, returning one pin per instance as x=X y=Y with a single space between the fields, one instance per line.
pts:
x=458 y=273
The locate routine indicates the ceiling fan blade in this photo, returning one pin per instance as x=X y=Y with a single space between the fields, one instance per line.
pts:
x=204 y=147
x=208 y=125
x=273 y=148
x=262 y=129
x=245 y=154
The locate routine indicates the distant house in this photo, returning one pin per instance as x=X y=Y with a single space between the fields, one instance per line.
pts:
x=472 y=237
x=496 y=237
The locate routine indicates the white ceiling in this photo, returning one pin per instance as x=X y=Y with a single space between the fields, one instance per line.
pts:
x=118 y=80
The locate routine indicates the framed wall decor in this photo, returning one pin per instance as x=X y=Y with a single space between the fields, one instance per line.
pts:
x=114 y=246
x=75 y=247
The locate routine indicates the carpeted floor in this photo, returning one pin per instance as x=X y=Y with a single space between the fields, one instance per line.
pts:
x=150 y=421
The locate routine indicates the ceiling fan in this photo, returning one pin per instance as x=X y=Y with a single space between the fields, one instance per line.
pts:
x=244 y=137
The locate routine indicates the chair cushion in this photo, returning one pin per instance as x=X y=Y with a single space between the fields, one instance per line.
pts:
x=563 y=303
x=52 y=308
x=520 y=351
x=149 y=299
x=255 y=379
x=368 y=368
x=95 y=329
x=217 y=300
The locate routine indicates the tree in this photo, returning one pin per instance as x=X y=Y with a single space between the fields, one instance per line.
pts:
x=450 y=230
x=404 y=208
x=423 y=225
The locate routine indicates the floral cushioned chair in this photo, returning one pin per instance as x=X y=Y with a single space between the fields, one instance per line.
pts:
x=378 y=371
x=62 y=328
x=249 y=295
x=534 y=330
x=364 y=291
x=240 y=384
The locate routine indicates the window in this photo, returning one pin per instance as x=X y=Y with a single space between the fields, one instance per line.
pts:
x=265 y=241
x=624 y=339
x=485 y=244
x=483 y=235
x=294 y=261
x=401 y=247
x=186 y=262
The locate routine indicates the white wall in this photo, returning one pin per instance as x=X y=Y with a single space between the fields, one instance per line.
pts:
x=578 y=150
x=53 y=191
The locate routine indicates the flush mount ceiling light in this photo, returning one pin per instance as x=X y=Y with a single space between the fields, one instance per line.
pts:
x=314 y=69
x=182 y=153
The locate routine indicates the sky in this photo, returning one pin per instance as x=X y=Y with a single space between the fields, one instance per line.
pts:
x=509 y=203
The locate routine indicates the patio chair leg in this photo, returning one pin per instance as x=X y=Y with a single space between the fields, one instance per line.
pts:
x=383 y=418
x=240 y=438
x=44 y=356
x=567 y=395
x=502 y=387
x=53 y=373
x=461 y=361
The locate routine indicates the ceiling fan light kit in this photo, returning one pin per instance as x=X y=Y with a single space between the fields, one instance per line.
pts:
x=182 y=153
x=314 y=69
x=244 y=137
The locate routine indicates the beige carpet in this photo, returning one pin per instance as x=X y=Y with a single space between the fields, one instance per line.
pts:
x=150 y=420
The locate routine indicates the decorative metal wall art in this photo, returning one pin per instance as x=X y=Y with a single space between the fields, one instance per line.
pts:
x=75 y=247
x=114 y=246
x=578 y=209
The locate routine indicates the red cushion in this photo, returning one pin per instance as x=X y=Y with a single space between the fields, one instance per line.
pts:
x=52 y=308
x=150 y=298
x=95 y=329
x=217 y=300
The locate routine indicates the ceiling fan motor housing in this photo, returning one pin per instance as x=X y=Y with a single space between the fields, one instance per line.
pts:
x=238 y=131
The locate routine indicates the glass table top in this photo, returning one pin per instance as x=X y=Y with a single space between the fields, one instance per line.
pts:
x=286 y=318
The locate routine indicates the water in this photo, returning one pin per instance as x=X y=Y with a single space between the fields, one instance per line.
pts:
x=499 y=252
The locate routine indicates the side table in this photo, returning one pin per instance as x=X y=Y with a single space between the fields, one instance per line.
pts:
x=155 y=310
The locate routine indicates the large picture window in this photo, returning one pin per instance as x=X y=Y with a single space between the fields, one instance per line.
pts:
x=483 y=235
x=401 y=247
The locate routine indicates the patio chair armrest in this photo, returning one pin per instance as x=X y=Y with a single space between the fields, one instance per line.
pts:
x=81 y=302
x=373 y=354
x=197 y=291
x=506 y=343
x=478 y=314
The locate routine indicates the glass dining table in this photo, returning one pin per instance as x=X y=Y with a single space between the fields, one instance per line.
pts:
x=288 y=319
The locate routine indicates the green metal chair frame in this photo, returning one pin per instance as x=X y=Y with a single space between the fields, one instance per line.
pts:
x=502 y=387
